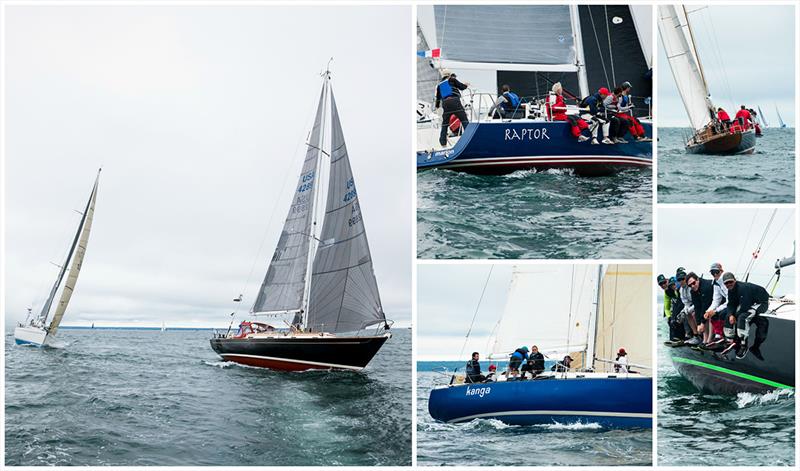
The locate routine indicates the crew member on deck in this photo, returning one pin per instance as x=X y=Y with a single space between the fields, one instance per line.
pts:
x=669 y=295
x=621 y=363
x=745 y=302
x=535 y=363
x=507 y=104
x=474 y=370
x=558 y=110
x=702 y=292
x=598 y=117
x=746 y=118
x=448 y=95
x=624 y=106
x=723 y=117
x=519 y=355
x=686 y=315
x=716 y=313
x=563 y=365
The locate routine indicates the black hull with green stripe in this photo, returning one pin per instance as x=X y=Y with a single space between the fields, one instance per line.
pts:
x=718 y=374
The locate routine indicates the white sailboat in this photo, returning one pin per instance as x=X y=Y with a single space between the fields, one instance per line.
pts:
x=35 y=330
x=710 y=135
x=780 y=119
x=763 y=118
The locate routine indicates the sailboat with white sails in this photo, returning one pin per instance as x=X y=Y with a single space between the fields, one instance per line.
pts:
x=322 y=280
x=710 y=136
x=781 y=124
x=35 y=330
x=608 y=308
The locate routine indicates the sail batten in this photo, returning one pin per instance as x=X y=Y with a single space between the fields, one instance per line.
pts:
x=284 y=284
x=344 y=292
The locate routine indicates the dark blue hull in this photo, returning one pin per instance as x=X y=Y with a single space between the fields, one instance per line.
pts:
x=503 y=147
x=611 y=402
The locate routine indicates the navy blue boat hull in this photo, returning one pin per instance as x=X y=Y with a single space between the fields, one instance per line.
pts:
x=611 y=402
x=504 y=147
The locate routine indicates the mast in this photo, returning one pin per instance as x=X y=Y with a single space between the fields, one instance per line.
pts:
x=591 y=347
x=313 y=241
x=583 y=82
x=694 y=48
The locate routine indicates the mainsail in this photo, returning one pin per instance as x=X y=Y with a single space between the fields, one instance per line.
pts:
x=624 y=314
x=762 y=117
x=344 y=293
x=676 y=37
x=79 y=249
x=284 y=284
x=539 y=312
x=780 y=119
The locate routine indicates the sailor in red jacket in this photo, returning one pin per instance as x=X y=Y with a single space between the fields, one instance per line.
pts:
x=745 y=115
x=723 y=117
x=558 y=111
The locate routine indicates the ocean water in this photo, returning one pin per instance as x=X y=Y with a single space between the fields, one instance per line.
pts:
x=766 y=176
x=534 y=215
x=697 y=429
x=136 y=398
x=493 y=443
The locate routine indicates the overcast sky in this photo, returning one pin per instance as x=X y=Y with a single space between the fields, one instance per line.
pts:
x=198 y=116
x=695 y=239
x=753 y=47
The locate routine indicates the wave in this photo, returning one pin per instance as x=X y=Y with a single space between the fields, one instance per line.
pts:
x=571 y=426
x=746 y=399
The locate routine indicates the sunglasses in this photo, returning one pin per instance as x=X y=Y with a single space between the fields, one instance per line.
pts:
x=715 y=272
x=662 y=283
x=729 y=283
x=692 y=284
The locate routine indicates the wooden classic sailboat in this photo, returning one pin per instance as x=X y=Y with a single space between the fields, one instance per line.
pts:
x=324 y=282
x=590 y=328
x=35 y=330
x=711 y=136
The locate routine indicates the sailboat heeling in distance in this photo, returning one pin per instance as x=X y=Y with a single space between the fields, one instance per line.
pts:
x=344 y=292
x=284 y=284
x=679 y=46
x=780 y=119
x=762 y=117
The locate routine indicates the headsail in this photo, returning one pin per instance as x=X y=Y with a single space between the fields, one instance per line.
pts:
x=676 y=37
x=539 y=311
x=762 y=117
x=780 y=119
x=624 y=317
x=344 y=293
x=79 y=249
x=284 y=283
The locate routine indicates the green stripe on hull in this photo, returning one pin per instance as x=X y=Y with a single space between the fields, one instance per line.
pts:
x=756 y=379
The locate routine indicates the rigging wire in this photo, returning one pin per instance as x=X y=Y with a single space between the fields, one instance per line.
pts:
x=477 y=308
x=569 y=317
x=610 y=49
x=597 y=41
x=746 y=240
x=758 y=248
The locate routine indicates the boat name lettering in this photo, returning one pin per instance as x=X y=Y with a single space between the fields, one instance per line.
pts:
x=478 y=391
x=529 y=134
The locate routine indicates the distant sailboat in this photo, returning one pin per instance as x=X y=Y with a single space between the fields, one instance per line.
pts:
x=780 y=120
x=323 y=281
x=163 y=326
x=34 y=330
x=711 y=136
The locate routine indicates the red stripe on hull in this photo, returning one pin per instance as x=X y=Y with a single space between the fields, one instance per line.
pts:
x=274 y=364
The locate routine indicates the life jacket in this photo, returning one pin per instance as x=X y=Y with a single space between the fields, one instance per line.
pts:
x=513 y=101
x=445 y=89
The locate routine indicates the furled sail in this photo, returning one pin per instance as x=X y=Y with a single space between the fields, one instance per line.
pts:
x=624 y=314
x=79 y=249
x=284 y=283
x=676 y=38
x=548 y=306
x=344 y=293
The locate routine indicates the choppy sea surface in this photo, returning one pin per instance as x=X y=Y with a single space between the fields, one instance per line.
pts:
x=766 y=176
x=134 y=398
x=492 y=443
x=699 y=429
x=535 y=215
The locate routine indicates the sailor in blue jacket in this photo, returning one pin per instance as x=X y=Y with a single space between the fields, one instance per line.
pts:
x=597 y=116
x=519 y=355
x=448 y=95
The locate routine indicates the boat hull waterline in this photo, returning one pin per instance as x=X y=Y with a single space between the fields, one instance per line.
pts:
x=728 y=375
x=30 y=336
x=623 y=402
x=300 y=353
x=726 y=144
x=498 y=148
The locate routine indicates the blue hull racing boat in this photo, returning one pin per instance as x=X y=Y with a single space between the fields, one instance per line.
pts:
x=613 y=401
x=500 y=147
x=589 y=326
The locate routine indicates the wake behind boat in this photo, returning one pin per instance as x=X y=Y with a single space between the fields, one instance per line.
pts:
x=35 y=330
x=610 y=392
x=533 y=132
x=323 y=281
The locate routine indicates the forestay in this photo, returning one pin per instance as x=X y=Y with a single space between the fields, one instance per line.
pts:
x=284 y=283
x=344 y=293
x=79 y=249
x=677 y=40
x=548 y=306
x=625 y=314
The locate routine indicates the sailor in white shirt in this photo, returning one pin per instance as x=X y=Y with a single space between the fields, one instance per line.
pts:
x=687 y=313
x=719 y=304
